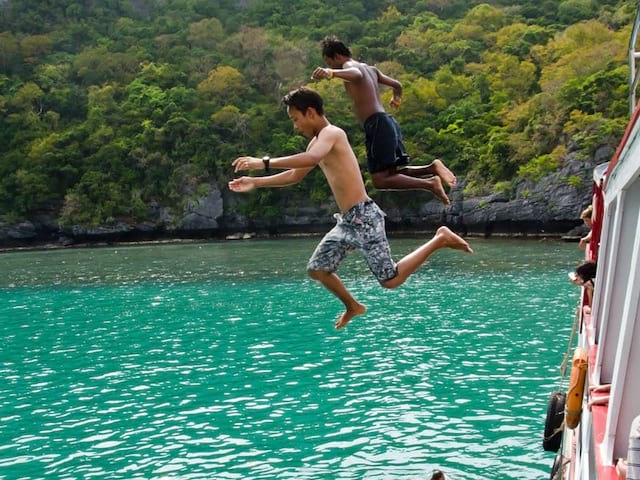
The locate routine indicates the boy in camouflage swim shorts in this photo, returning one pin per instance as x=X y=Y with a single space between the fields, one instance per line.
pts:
x=362 y=228
x=361 y=223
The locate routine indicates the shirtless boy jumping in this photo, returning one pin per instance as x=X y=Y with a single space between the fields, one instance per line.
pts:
x=360 y=223
x=386 y=156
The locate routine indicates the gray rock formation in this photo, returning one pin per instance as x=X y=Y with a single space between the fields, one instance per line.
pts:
x=201 y=214
x=21 y=231
x=549 y=207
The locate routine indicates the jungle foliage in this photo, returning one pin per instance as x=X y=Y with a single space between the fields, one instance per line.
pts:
x=109 y=107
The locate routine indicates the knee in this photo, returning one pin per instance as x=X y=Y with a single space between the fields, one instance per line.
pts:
x=393 y=282
x=389 y=284
x=380 y=179
x=378 y=182
x=317 y=274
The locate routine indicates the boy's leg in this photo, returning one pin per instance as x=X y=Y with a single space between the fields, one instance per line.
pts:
x=383 y=139
x=325 y=261
x=444 y=238
x=437 y=167
x=392 y=180
x=332 y=282
x=388 y=159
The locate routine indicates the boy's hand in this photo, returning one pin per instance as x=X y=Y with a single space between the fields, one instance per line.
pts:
x=242 y=184
x=395 y=101
x=320 y=73
x=248 y=163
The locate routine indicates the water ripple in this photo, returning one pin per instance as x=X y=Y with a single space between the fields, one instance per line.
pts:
x=194 y=372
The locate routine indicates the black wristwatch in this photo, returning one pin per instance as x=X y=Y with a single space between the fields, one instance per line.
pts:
x=266 y=159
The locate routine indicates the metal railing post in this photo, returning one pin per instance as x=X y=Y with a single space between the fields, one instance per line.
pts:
x=633 y=57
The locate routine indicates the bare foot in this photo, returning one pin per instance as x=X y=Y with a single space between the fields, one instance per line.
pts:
x=357 y=309
x=598 y=401
x=435 y=186
x=622 y=468
x=444 y=173
x=451 y=240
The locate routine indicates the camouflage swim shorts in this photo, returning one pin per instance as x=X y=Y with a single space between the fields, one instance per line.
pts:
x=362 y=228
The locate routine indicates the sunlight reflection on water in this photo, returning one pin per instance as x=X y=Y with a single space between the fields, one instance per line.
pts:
x=166 y=363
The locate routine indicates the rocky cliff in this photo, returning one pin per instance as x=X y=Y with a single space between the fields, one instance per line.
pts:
x=549 y=207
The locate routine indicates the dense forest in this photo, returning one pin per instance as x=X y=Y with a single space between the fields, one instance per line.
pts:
x=110 y=106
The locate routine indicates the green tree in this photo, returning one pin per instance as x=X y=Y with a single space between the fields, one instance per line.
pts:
x=9 y=52
x=108 y=106
x=35 y=47
x=98 y=65
x=571 y=11
x=224 y=85
x=206 y=33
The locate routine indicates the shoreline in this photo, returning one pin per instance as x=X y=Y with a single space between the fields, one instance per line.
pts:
x=46 y=246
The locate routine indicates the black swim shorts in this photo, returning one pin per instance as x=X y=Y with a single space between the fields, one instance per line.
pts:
x=384 y=143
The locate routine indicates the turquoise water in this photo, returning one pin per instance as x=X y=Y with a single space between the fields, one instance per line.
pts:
x=220 y=361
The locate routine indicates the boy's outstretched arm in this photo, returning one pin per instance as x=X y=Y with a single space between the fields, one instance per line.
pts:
x=348 y=73
x=283 y=179
x=319 y=147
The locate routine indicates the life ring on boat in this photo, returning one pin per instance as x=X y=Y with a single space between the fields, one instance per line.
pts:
x=576 y=388
x=553 y=423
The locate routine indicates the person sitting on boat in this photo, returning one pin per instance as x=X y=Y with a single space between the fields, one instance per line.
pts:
x=584 y=276
x=586 y=217
x=631 y=466
x=622 y=468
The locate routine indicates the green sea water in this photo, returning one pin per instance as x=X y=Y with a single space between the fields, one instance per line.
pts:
x=220 y=361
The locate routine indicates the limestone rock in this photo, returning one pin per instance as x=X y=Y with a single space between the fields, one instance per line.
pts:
x=202 y=213
x=21 y=231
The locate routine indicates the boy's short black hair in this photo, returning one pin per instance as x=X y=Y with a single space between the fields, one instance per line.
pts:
x=331 y=47
x=303 y=98
x=586 y=270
